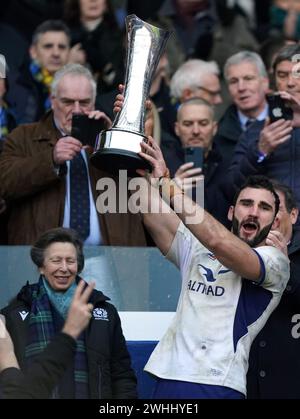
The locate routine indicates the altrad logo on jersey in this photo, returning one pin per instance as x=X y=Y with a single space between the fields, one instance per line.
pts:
x=206 y=289
x=208 y=273
x=202 y=287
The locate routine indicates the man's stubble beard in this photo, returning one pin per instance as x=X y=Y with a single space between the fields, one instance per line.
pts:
x=258 y=238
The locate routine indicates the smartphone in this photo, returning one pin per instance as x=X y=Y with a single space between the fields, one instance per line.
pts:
x=194 y=155
x=278 y=108
x=85 y=129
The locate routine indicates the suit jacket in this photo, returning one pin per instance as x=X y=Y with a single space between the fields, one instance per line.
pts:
x=283 y=164
x=274 y=362
x=35 y=192
x=214 y=171
x=228 y=134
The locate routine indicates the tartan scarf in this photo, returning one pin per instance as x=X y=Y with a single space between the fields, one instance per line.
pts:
x=44 y=78
x=61 y=301
x=42 y=329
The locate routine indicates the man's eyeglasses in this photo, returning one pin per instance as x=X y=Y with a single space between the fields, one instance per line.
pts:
x=210 y=92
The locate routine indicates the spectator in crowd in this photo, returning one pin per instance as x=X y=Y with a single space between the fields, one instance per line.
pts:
x=101 y=367
x=94 y=29
x=224 y=276
x=193 y=79
x=48 y=367
x=196 y=127
x=29 y=94
x=247 y=82
x=274 y=366
x=42 y=166
x=273 y=149
x=197 y=78
x=268 y=51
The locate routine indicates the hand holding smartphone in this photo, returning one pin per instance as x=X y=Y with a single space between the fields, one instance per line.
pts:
x=194 y=155
x=86 y=129
x=278 y=108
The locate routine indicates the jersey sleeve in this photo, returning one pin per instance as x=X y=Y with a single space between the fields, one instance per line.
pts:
x=275 y=268
x=184 y=245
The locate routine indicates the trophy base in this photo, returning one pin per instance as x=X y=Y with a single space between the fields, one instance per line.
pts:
x=111 y=155
x=112 y=160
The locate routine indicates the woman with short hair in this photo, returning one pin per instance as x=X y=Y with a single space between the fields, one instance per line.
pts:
x=101 y=367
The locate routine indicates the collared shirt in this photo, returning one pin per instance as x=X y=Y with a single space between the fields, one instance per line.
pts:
x=244 y=119
x=95 y=235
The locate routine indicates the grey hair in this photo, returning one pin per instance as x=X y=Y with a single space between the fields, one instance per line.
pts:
x=251 y=57
x=190 y=75
x=74 y=70
x=197 y=101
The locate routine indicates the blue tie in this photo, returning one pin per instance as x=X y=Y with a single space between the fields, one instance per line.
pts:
x=249 y=122
x=79 y=197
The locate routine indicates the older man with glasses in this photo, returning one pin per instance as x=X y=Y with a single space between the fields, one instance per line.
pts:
x=44 y=187
x=197 y=79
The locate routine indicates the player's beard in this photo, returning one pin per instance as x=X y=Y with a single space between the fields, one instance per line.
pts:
x=258 y=238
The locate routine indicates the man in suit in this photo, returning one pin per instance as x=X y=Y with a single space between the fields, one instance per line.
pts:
x=196 y=127
x=248 y=83
x=274 y=366
x=35 y=170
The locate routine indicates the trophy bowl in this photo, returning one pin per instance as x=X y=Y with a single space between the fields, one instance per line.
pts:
x=117 y=148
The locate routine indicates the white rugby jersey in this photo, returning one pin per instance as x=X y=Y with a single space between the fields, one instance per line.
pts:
x=218 y=315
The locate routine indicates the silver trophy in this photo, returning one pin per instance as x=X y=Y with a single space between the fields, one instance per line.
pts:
x=117 y=147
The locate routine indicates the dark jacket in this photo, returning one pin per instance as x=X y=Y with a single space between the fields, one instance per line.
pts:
x=35 y=192
x=228 y=134
x=166 y=109
x=104 y=52
x=283 y=164
x=274 y=363
x=11 y=124
x=45 y=371
x=213 y=170
x=109 y=367
x=26 y=96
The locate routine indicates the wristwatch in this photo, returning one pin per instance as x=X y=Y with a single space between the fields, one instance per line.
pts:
x=261 y=156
